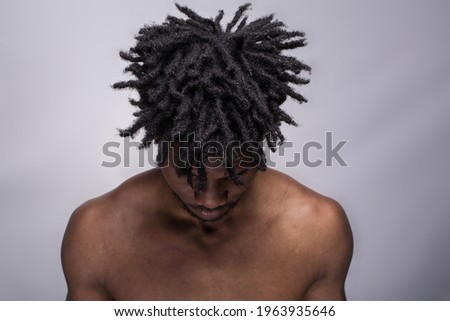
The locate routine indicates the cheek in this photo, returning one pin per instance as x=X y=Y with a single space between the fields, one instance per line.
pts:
x=248 y=179
x=178 y=184
x=234 y=191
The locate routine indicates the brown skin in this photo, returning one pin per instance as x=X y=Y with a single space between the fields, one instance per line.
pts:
x=280 y=241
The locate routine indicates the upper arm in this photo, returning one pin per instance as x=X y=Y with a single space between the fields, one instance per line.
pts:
x=334 y=248
x=82 y=255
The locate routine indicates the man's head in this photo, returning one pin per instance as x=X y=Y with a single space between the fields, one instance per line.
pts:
x=220 y=195
x=200 y=83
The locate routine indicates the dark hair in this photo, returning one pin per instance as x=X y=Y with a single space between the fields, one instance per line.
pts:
x=194 y=77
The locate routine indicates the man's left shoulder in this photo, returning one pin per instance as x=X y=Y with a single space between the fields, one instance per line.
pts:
x=326 y=238
x=318 y=218
x=318 y=235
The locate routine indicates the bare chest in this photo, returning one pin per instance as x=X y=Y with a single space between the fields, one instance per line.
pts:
x=171 y=271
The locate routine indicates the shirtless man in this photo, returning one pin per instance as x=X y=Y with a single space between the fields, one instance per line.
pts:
x=219 y=226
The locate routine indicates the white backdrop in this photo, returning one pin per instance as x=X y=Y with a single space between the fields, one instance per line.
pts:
x=381 y=80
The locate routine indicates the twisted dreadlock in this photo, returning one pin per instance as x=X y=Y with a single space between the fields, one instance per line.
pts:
x=194 y=77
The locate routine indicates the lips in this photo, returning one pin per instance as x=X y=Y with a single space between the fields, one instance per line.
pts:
x=210 y=214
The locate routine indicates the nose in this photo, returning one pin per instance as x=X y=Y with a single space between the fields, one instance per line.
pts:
x=212 y=197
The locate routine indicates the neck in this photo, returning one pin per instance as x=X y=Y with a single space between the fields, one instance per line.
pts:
x=208 y=233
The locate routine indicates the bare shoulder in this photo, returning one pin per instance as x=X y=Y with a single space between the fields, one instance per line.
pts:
x=301 y=203
x=83 y=252
x=322 y=215
x=320 y=226
x=93 y=230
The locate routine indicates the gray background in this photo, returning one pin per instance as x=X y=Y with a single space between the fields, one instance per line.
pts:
x=381 y=75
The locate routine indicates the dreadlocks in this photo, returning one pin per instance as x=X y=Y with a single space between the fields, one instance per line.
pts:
x=205 y=83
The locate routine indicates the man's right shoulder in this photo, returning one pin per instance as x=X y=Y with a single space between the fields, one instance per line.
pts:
x=84 y=253
x=95 y=228
x=87 y=228
x=89 y=217
x=102 y=217
x=98 y=215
